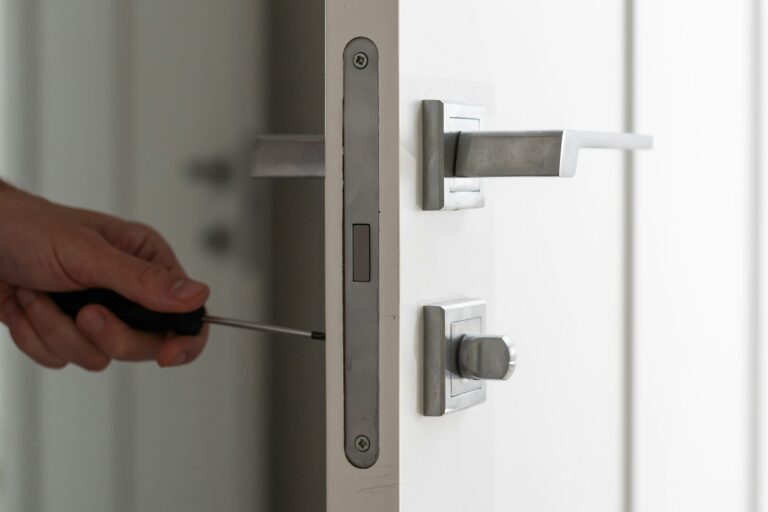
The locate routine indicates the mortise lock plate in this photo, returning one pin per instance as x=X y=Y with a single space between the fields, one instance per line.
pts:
x=459 y=358
x=361 y=252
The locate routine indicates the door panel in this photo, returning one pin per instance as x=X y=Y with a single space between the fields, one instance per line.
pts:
x=548 y=254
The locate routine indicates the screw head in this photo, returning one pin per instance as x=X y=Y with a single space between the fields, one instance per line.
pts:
x=360 y=60
x=362 y=443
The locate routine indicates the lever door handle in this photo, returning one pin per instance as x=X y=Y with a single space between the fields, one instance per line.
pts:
x=456 y=152
x=545 y=153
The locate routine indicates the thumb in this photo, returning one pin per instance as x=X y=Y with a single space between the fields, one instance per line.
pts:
x=141 y=281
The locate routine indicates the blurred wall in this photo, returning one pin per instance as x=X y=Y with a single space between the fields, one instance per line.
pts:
x=298 y=366
x=698 y=222
x=19 y=384
x=112 y=103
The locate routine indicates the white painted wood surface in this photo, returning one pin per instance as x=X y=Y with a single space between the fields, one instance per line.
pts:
x=546 y=253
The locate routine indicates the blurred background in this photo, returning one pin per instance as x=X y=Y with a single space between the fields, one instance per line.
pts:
x=145 y=109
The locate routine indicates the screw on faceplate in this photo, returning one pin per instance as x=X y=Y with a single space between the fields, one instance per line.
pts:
x=360 y=60
x=362 y=443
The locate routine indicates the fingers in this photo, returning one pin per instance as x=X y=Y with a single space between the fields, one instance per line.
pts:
x=116 y=339
x=25 y=337
x=120 y=342
x=52 y=339
x=99 y=265
x=58 y=332
x=143 y=242
x=180 y=350
x=132 y=237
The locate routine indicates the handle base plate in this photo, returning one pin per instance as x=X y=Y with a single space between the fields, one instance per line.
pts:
x=442 y=121
x=445 y=324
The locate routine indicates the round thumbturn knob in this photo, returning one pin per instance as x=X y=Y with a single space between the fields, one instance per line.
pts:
x=487 y=357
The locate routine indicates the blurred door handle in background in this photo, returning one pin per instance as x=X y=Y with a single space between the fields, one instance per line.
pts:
x=288 y=156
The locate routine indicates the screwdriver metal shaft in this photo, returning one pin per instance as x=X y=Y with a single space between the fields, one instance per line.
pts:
x=254 y=326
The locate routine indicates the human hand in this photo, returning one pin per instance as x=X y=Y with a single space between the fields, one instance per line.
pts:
x=46 y=247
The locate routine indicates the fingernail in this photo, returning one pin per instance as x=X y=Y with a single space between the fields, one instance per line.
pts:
x=26 y=297
x=180 y=359
x=186 y=289
x=92 y=321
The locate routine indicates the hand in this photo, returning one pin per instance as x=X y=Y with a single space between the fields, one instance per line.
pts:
x=45 y=247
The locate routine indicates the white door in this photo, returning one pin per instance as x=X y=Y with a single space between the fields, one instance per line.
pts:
x=546 y=254
x=550 y=256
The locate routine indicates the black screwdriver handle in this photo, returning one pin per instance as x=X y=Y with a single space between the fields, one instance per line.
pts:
x=134 y=315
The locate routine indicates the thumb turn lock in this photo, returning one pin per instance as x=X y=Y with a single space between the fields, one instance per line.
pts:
x=458 y=358
x=486 y=357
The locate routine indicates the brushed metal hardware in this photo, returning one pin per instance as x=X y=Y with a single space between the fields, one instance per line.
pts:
x=361 y=252
x=459 y=358
x=360 y=60
x=288 y=156
x=451 y=152
x=545 y=153
x=441 y=191
x=486 y=357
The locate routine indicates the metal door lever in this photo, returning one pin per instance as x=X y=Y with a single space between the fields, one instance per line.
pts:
x=544 y=153
x=456 y=153
x=470 y=154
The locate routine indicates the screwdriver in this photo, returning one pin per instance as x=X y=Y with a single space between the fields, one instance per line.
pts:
x=138 y=317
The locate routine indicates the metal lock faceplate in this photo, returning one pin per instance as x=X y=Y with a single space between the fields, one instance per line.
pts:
x=361 y=252
x=444 y=325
